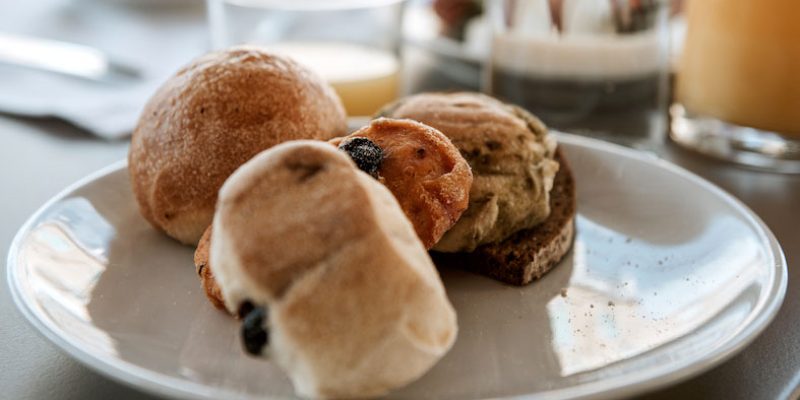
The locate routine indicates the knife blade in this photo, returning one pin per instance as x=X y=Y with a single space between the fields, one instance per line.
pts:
x=62 y=57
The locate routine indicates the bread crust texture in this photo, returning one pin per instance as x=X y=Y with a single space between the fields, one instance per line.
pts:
x=211 y=117
x=356 y=306
x=423 y=170
x=510 y=154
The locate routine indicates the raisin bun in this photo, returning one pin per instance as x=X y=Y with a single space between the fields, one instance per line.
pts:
x=210 y=118
x=423 y=170
x=512 y=159
x=328 y=274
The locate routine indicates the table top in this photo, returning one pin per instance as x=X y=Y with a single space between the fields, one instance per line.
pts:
x=40 y=157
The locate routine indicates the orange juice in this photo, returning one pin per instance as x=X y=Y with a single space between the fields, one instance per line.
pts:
x=741 y=63
x=365 y=78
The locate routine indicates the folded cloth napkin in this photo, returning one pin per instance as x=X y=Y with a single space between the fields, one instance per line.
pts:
x=156 y=39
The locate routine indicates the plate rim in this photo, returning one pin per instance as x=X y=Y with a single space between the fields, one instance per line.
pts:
x=637 y=382
x=115 y=369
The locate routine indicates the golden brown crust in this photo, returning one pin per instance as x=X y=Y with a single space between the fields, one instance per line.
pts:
x=210 y=118
x=202 y=265
x=424 y=171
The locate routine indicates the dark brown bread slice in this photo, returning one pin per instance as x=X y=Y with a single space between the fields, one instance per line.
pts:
x=530 y=253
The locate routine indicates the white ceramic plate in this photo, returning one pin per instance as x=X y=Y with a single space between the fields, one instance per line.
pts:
x=668 y=276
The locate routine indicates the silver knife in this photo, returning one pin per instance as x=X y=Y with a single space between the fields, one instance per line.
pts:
x=62 y=57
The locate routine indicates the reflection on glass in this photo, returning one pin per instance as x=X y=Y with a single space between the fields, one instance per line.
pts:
x=738 y=87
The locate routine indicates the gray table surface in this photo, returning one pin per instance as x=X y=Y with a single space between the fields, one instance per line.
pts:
x=39 y=158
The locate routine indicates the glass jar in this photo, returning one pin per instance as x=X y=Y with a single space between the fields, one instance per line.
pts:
x=353 y=44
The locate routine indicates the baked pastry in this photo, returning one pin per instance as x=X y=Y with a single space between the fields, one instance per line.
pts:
x=325 y=269
x=211 y=117
x=513 y=162
x=423 y=170
x=527 y=254
x=203 y=268
x=511 y=157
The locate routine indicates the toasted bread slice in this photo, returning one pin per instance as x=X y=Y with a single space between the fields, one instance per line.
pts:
x=530 y=253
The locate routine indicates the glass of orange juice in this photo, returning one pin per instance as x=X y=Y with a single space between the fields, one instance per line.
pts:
x=738 y=82
x=353 y=44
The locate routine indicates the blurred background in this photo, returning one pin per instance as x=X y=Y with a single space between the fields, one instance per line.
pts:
x=711 y=85
x=601 y=68
x=611 y=69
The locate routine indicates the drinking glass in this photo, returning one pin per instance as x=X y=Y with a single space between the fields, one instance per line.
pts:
x=353 y=44
x=738 y=83
x=592 y=67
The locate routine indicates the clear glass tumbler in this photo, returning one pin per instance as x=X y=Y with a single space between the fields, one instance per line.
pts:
x=592 y=67
x=354 y=44
x=738 y=83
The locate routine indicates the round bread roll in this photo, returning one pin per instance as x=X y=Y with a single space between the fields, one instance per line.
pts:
x=210 y=118
x=511 y=156
x=319 y=256
x=423 y=170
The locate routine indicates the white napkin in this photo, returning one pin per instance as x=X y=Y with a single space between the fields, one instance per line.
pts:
x=154 y=39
